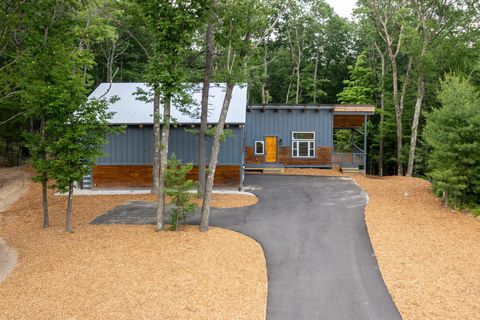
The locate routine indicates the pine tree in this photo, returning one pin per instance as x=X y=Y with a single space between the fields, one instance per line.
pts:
x=453 y=136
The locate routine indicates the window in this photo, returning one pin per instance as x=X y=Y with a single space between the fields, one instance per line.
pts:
x=303 y=135
x=303 y=144
x=259 y=147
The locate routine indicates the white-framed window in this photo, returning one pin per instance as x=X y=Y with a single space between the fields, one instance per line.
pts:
x=259 y=147
x=303 y=144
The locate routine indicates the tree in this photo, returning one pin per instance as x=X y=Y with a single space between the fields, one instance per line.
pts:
x=297 y=23
x=454 y=139
x=178 y=187
x=435 y=20
x=381 y=146
x=172 y=25
x=359 y=88
x=81 y=136
x=54 y=87
x=45 y=82
x=240 y=22
x=202 y=158
x=388 y=18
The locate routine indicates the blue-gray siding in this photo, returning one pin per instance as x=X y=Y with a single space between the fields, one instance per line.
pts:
x=281 y=124
x=134 y=147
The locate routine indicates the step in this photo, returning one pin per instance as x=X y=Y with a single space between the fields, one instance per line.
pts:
x=350 y=169
x=273 y=170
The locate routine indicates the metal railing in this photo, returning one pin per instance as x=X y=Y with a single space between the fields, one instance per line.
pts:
x=356 y=157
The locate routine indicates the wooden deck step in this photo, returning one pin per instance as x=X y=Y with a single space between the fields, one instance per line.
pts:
x=273 y=170
x=265 y=169
x=350 y=169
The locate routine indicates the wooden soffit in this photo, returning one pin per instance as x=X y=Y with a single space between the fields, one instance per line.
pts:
x=354 y=108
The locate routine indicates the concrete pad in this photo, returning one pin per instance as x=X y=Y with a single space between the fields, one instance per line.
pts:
x=97 y=192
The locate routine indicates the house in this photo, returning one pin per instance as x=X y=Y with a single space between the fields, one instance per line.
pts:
x=128 y=160
x=279 y=136
x=263 y=137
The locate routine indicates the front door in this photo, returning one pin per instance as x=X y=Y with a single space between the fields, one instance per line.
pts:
x=271 y=149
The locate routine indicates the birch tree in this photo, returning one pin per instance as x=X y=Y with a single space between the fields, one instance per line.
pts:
x=435 y=19
x=381 y=55
x=388 y=18
x=202 y=137
x=172 y=24
x=243 y=24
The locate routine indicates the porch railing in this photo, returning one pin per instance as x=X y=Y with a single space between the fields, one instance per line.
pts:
x=355 y=157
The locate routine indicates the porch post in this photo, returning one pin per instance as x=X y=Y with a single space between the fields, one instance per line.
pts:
x=353 y=138
x=365 y=143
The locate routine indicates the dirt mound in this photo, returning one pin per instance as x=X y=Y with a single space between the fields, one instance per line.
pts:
x=13 y=184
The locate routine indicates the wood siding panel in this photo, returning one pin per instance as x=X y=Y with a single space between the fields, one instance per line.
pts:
x=348 y=121
x=323 y=157
x=108 y=176
x=251 y=157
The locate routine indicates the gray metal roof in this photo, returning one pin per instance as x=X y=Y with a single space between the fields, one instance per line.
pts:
x=129 y=110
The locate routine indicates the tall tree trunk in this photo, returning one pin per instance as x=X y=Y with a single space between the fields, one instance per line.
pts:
x=163 y=164
x=207 y=197
x=315 y=79
x=382 y=114
x=202 y=144
x=69 y=208
x=44 y=178
x=297 y=93
x=265 y=73
x=156 y=140
x=289 y=86
x=398 y=118
x=400 y=105
x=416 y=118
x=44 y=201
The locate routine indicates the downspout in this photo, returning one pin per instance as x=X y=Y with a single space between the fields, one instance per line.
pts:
x=365 y=143
x=242 y=164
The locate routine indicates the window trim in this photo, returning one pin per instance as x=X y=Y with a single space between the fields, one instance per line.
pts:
x=311 y=145
x=263 y=147
x=293 y=135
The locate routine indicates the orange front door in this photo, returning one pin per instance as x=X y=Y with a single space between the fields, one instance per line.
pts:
x=271 y=149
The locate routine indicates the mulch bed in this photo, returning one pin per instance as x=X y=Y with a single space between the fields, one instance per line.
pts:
x=127 y=272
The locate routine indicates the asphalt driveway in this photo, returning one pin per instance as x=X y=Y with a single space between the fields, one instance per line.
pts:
x=320 y=261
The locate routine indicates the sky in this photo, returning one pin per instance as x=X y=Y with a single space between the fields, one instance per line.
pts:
x=343 y=7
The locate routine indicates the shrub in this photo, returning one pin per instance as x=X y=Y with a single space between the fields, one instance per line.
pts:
x=178 y=187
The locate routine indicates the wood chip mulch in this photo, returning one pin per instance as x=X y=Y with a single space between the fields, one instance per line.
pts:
x=127 y=272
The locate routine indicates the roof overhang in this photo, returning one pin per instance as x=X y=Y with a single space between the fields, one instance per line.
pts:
x=343 y=109
x=354 y=109
x=287 y=107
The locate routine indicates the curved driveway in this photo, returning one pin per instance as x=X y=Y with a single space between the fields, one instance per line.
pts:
x=320 y=260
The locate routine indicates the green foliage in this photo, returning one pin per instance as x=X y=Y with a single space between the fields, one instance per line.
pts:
x=453 y=135
x=80 y=142
x=172 y=25
x=359 y=88
x=476 y=211
x=210 y=133
x=177 y=187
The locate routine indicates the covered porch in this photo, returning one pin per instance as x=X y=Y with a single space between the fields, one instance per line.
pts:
x=350 y=136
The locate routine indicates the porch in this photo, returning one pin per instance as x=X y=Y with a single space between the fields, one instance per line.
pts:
x=352 y=121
